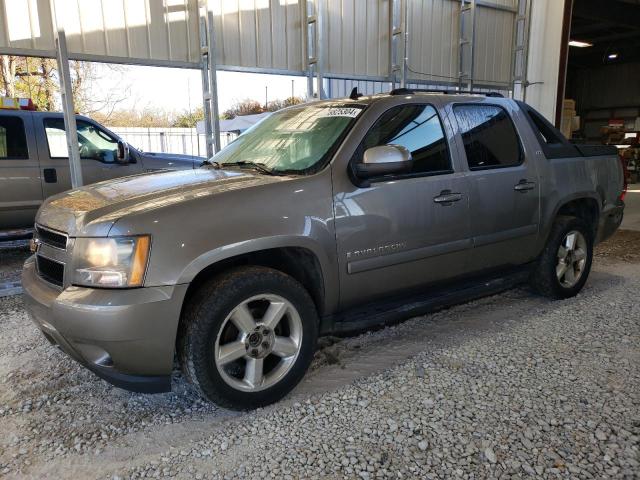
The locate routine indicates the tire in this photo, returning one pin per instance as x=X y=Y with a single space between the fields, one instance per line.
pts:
x=547 y=277
x=217 y=325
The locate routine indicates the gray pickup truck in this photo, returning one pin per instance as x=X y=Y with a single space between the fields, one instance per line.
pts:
x=34 y=164
x=325 y=218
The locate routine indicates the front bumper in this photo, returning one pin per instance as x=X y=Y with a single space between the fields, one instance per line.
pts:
x=126 y=337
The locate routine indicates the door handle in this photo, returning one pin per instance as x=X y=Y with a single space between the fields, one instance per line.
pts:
x=50 y=175
x=447 y=197
x=524 y=186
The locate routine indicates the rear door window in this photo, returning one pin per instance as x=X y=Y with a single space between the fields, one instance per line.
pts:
x=13 y=141
x=489 y=137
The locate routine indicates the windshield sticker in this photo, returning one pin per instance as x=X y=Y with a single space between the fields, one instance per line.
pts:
x=340 y=112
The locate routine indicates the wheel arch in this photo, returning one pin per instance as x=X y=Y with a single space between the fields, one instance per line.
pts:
x=585 y=205
x=301 y=258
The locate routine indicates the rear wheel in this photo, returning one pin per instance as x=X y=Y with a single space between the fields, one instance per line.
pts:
x=565 y=263
x=248 y=338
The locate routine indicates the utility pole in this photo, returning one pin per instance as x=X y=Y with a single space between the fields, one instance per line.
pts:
x=292 y=88
x=266 y=96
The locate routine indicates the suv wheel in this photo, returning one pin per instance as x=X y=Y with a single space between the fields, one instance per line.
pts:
x=564 y=265
x=248 y=337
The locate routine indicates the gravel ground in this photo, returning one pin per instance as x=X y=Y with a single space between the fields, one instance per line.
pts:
x=12 y=256
x=509 y=386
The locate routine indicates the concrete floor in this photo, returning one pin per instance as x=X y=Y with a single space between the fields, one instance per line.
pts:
x=631 y=219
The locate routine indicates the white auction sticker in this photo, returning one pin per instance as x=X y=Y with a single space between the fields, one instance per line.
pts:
x=340 y=112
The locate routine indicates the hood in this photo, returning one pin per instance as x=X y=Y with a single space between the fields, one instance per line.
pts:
x=92 y=210
x=170 y=161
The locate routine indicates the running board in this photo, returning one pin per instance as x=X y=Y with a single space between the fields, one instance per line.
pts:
x=16 y=234
x=393 y=311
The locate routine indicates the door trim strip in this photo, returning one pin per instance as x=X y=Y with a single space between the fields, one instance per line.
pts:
x=505 y=235
x=365 y=264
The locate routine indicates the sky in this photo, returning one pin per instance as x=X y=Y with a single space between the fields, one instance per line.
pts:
x=178 y=89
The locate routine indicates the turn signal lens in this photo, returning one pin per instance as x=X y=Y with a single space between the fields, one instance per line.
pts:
x=140 y=257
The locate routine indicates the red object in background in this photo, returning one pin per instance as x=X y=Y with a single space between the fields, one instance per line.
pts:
x=616 y=122
x=626 y=178
x=26 y=104
x=11 y=103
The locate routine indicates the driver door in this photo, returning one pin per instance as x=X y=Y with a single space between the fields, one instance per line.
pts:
x=98 y=155
x=398 y=232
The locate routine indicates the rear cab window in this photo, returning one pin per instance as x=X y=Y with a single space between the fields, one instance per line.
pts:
x=416 y=127
x=489 y=136
x=13 y=140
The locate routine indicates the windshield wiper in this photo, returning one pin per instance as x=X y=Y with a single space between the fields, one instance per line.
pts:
x=260 y=167
x=214 y=164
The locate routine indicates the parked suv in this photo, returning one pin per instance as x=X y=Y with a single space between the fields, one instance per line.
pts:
x=34 y=162
x=328 y=217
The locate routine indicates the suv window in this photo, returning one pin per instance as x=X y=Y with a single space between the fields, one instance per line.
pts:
x=13 y=141
x=94 y=143
x=490 y=139
x=417 y=128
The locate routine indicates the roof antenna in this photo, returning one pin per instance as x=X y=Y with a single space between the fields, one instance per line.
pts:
x=354 y=94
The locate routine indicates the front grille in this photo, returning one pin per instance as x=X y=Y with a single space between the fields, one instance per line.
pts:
x=57 y=240
x=50 y=270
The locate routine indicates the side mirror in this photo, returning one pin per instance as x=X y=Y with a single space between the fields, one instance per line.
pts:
x=384 y=160
x=123 y=152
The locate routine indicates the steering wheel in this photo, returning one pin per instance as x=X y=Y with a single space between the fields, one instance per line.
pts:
x=84 y=150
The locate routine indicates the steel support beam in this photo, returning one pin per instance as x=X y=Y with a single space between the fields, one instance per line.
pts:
x=311 y=11
x=405 y=44
x=69 y=115
x=398 y=42
x=467 y=34
x=209 y=80
x=520 y=52
x=213 y=83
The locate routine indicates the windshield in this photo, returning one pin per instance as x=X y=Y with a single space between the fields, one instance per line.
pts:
x=295 y=140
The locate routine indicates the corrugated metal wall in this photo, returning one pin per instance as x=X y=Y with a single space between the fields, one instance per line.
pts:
x=355 y=37
x=494 y=45
x=434 y=35
x=265 y=34
x=162 y=32
x=608 y=86
x=270 y=35
x=433 y=39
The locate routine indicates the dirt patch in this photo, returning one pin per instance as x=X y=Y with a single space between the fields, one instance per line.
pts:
x=624 y=246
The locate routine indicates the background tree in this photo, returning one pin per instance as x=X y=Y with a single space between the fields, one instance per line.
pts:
x=252 y=107
x=38 y=79
x=189 y=119
x=149 y=117
x=275 y=105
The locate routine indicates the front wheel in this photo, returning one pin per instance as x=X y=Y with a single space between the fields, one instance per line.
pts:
x=565 y=263
x=248 y=337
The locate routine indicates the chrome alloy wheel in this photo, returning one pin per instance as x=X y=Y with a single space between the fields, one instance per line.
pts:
x=572 y=259
x=258 y=343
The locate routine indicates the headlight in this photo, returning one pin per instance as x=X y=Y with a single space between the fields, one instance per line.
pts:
x=110 y=262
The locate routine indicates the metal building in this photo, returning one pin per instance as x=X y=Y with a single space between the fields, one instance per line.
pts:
x=373 y=44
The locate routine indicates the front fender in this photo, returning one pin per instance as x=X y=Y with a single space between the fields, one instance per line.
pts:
x=329 y=273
